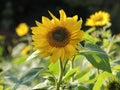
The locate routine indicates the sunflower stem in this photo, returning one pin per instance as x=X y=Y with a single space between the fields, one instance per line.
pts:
x=71 y=67
x=61 y=74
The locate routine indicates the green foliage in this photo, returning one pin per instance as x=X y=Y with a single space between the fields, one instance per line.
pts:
x=54 y=68
x=70 y=73
x=96 y=56
x=28 y=76
x=100 y=80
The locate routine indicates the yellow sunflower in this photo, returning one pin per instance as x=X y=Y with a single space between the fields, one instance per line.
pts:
x=22 y=29
x=57 y=38
x=25 y=50
x=98 y=19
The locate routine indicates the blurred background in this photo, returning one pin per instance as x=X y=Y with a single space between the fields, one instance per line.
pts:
x=14 y=12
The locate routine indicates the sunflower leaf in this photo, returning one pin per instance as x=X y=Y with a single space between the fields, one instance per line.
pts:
x=28 y=76
x=54 y=68
x=70 y=73
x=100 y=80
x=33 y=55
x=96 y=56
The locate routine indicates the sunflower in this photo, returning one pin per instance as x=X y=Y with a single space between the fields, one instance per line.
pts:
x=113 y=85
x=22 y=29
x=57 y=38
x=25 y=50
x=98 y=19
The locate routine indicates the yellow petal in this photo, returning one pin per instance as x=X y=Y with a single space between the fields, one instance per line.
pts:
x=55 y=19
x=62 y=15
x=46 y=22
x=38 y=23
x=56 y=55
x=75 y=17
x=69 y=51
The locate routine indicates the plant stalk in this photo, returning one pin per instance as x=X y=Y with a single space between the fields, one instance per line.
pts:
x=61 y=74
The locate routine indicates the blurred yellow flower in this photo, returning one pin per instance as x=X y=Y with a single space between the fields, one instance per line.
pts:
x=22 y=29
x=57 y=38
x=98 y=19
x=25 y=50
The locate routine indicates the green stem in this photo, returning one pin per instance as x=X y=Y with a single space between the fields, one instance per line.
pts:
x=65 y=65
x=71 y=67
x=61 y=74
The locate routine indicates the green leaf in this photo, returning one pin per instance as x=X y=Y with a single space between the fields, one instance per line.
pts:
x=96 y=56
x=115 y=62
x=33 y=55
x=70 y=73
x=85 y=77
x=28 y=76
x=91 y=30
x=100 y=80
x=54 y=68
x=89 y=38
x=1 y=50
x=19 y=60
x=81 y=87
x=1 y=87
x=11 y=76
x=41 y=86
x=117 y=67
x=80 y=73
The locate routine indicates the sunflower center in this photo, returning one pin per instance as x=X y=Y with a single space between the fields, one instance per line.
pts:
x=59 y=37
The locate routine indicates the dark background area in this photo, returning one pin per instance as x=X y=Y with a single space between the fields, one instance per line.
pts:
x=13 y=12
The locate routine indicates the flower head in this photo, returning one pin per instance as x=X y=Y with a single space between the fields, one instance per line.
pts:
x=113 y=85
x=98 y=19
x=57 y=38
x=22 y=29
x=25 y=50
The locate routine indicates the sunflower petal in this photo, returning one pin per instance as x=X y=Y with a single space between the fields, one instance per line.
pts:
x=38 y=23
x=46 y=21
x=75 y=18
x=35 y=30
x=62 y=15
x=54 y=18
x=56 y=55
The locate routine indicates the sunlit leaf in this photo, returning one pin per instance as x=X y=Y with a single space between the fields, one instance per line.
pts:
x=96 y=56
x=89 y=38
x=1 y=87
x=54 y=68
x=80 y=73
x=85 y=77
x=70 y=73
x=100 y=79
x=20 y=59
x=33 y=55
x=117 y=67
